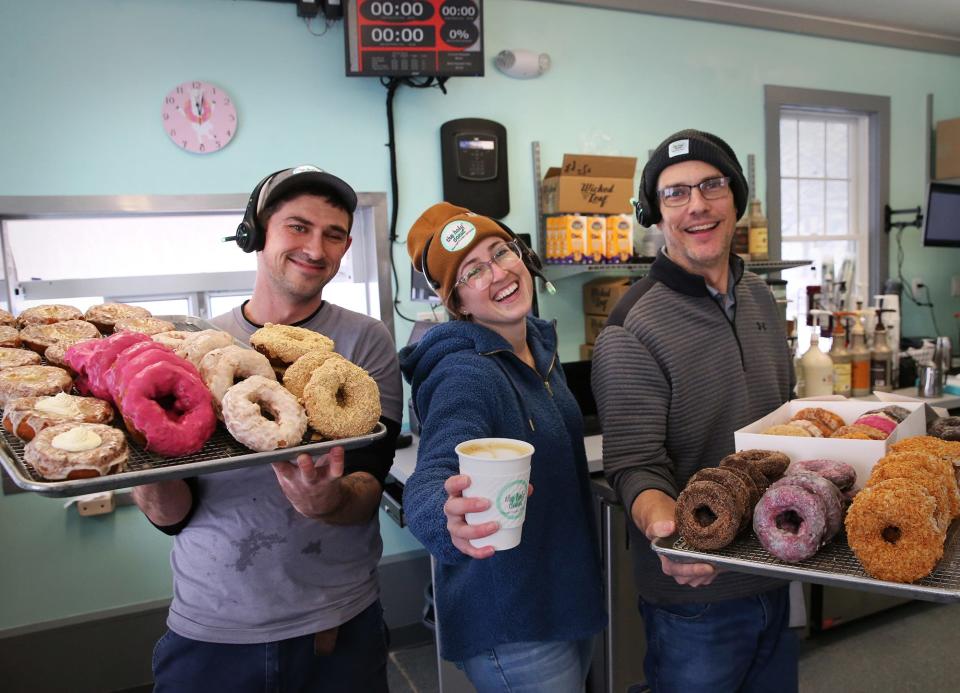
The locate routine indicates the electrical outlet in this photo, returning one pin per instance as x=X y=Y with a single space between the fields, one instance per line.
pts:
x=955 y=286
x=916 y=288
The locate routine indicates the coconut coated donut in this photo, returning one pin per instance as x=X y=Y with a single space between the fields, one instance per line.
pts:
x=296 y=377
x=11 y=358
x=946 y=428
x=26 y=416
x=899 y=469
x=947 y=449
x=9 y=336
x=106 y=315
x=46 y=314
x=32 y=381
x=284 y=344
x=892 y=531
x=243 y=405
x=937 y=468
x=828 y=493
x=77 y=451
x=790 y=522
x=223 y=368
x=841 y=474
x=342 y=400
x=707 y=515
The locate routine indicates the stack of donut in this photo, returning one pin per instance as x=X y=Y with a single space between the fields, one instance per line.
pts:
x=717 y=502
x=804 y=510
x=946 y=428
x=897 y=524
x=817 y=422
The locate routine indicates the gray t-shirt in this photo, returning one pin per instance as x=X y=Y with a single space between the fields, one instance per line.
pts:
x=248 y=568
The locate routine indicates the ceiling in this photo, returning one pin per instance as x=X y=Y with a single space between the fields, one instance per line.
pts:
x=925 y=25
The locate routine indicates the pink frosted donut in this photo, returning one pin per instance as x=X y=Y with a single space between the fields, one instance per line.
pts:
x=833 y=504
x=106 y=351
x=76 y=357
x=790 y=522
x=134 y=359
x=840 y=473
x=167 y=410
x=879 y=422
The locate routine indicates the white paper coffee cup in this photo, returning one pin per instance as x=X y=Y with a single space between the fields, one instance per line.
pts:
x=499 y=470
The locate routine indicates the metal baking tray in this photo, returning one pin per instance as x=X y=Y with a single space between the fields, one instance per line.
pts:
x=835 y=565
x=220 y=453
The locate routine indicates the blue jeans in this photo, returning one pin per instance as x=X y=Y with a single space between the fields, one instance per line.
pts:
x=721 y=647
x=531 y=667
x=358 y=662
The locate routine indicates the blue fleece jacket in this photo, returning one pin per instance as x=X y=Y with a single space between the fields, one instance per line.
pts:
x=468 y=383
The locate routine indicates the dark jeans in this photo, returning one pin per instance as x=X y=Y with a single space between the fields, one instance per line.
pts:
x=358 y=662
x=726 y=646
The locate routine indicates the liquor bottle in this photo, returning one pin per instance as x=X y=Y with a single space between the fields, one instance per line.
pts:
x=859 y=360
x=741 y=238
x=758 y=245
x=842 y=361
x=881 y=358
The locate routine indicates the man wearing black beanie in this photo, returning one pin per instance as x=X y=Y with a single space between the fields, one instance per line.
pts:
x=694 y=351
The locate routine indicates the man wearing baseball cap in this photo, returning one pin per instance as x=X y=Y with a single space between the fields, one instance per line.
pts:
x=694 y=351
x=275 y=566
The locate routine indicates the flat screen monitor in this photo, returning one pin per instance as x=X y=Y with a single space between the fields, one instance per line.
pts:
x=413 y=38
x=941 y=223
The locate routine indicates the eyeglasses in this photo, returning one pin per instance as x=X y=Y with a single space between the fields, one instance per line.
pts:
x=479 y=275
x=679 y=195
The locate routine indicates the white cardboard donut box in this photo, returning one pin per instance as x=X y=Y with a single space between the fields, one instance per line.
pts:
x=860 y=454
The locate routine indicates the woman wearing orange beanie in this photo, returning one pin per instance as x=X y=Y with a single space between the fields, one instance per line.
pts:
x=521 y=619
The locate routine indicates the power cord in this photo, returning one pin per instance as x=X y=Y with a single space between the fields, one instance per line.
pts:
x=907 y=289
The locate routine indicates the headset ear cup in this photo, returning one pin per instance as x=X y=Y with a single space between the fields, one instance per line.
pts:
x=645 y=213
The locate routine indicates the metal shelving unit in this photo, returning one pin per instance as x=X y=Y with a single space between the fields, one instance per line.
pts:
x=557 y=272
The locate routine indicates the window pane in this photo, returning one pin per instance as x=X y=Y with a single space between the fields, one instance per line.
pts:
x=837 y=150
x=788 y=206
x=223 y=304
x=788 y=147
x=838 y=204
x=811 y=208
x=811 y=135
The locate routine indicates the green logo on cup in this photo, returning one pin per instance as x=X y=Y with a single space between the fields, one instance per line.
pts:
x=512 y=499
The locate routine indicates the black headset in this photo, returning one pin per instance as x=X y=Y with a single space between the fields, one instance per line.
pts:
x=647 y=213
x=250 y=235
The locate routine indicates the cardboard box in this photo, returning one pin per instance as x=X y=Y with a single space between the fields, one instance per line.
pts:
x=860 y=454
x=590 y=185
x=586 y=352
x=601 y=295
x=948 y=149
x=592 y=324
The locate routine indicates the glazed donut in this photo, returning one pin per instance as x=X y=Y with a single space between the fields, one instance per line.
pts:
x=222 y=368
x=827 y=492
x=790 y=430
x=881 y=422
x=744 y=465
x=857 y=431
x=243 y=405
x=284 y=344
x=736 y=487
x=148 y=325
x=938 y=468
x=770 y=463
x=26 y=416
x=892 y=531
x=167 y=410
x=841 y=474
x=904 y=469
x=296 y=377
x=39 y=337
x=946 y=428
x=100 y=359
x=173 y=338
x=9 y=336
x=6 y=318
x=11 y=358
x=46 y=314
x=790 y=522
x=198 y=344
x=342 y=400
x=77 y=451
x=105 y=315
x=824 y=418
x=32 y=381
x=707 y=516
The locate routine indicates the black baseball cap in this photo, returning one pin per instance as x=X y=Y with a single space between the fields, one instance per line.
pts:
x=306 y=179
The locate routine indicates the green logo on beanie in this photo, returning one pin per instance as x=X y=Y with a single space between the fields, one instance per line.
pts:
x=512 y=499
x=457 y=235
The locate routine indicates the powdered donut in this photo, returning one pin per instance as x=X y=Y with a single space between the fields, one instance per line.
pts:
x=342 y=400
x=790 y=523
x=826 y=491
x=841 y=474
x=707 y=516
x=9 y=337
x=243 y=405
x=946 y=428
x=39 y=337
x=32 y=381
x=738 y=489
x=198 y=344
x=859 y=432
x=6 y=318
x=284 y=344
x=46 y=314
x=26 y=416
x=789 y=430
x=11 y=358
x=222 y=368
x=105 y=315
x=148 y=325
x=296 y=377
x=54 y=455
x=892 y=531
x=819 y=415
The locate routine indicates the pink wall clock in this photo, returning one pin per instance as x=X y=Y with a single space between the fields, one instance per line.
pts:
x=199 y=117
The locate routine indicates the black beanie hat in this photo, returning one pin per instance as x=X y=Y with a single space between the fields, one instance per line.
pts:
x=688 y=145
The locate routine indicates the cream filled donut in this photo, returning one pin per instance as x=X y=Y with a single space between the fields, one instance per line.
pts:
x=77 y=451
x=243 y=405
x=26 y=416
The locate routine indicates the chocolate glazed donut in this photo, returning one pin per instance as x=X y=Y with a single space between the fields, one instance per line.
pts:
x=707 y=515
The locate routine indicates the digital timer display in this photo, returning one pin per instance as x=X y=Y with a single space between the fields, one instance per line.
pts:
x=408 y=38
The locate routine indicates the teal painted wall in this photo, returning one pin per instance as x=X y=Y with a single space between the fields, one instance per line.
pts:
x=82 y=85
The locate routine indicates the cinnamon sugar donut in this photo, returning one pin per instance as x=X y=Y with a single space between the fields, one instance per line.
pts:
x=198 y=344
x=77 y=451
x=105 y=315
x=39 y=337
x=243 y=406
x=9 y=336
x=707 y=515
x=223 y=368
x=296 y=377
x=11 y=358
x=24 y=417
x=148 y=325
x=284 y=344
x=32 y=381
x=6 y=318
x=46 y=314
x=342 y=400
